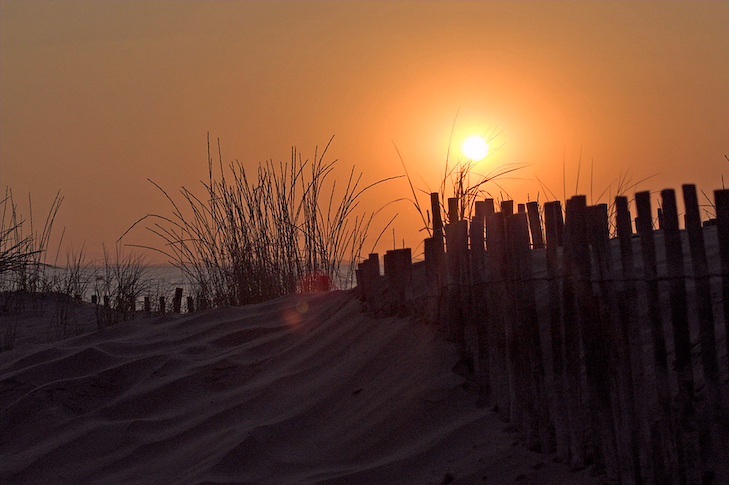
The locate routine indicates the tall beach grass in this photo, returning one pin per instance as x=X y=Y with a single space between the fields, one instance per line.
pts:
x=289 y=227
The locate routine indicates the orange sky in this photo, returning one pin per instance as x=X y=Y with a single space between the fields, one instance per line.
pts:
x=97 y=97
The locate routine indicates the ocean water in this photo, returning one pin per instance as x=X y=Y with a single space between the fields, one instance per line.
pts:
x=156 y=281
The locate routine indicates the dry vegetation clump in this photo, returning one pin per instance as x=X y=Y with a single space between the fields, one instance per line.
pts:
x=29 y=284
x=250 y=239
x=120 y=282
x=68 y=286
x=22 y=261
x=22 y=253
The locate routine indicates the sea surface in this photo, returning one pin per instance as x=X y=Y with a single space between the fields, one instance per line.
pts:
x=155 y=281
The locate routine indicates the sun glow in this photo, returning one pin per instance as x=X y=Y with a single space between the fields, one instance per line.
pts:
x=475 y=148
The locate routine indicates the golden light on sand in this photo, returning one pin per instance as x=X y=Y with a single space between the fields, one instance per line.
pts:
x=475 y=148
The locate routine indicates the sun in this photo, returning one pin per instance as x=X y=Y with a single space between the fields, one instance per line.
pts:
x=475 y=148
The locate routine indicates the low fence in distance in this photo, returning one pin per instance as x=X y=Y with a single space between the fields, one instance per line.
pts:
x=608 y=351
x=161 y=304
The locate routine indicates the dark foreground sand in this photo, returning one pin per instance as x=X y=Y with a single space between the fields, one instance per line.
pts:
x=300 y=390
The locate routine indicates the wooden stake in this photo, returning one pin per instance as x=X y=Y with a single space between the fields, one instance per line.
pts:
x=496 y=263
x=666 y=463
x=559 y=409
x=177 y=302
x=686 y=429
x=631 y=331
x=715 y=419
x=578 y=424
x=535 y=225
x=721 y=201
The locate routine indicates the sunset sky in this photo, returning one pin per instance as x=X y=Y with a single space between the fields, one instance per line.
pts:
x=98 y=97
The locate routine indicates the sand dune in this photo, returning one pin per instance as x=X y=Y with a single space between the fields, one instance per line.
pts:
x=301 y=390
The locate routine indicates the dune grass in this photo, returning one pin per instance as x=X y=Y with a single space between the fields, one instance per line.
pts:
x=23 y=253
x=251 y=239
x=120 y=282
x=23 y=250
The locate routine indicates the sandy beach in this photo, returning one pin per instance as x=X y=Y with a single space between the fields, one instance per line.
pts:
x=305 y=389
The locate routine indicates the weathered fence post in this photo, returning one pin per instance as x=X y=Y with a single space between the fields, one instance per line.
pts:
x=476 y=237
x=398 y=272
x=488 y=211
x=511 y=324
x=611 y=369
x=437 y=267
x=526 y=347
x=433 y=253
x=687 y=433
x=559 y=410
x=507 y=207
x=177 y=302
x=496 y=263
x=535 y=225
x=715 y=419
x=666 y=469
x=392 y=297
x=721 y=201
x=631 y=333
x=369 y=271
x=453 y=214
x=660 y=218
x=162 y=305
x=458 y=278
x=478 y=291
x=574 y=231
x=435 y=214
x=591 y=328
x=147 y=305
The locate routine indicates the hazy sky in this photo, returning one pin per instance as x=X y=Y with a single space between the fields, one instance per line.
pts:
x=97 y=97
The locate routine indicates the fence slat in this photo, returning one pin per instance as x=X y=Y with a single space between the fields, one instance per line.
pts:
x=453 y=213
x=592 y=332
x=507 y=207
x=721 y=201
x=526 y=345
x=496 y=264
x=432 y=277
x=686 y=420
x=476 y=237
x=478 y=290
x=608 y=353
x=177 y=302
x=435 y=214
x=488 y=211
x=574 y=229
x=631 y=330
x=559 y=410
x=714 y=419
x=666 y=468
x=535 y=225
x=457 y=265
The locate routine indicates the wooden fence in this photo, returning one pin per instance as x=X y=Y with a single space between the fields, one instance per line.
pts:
x=609 y=351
